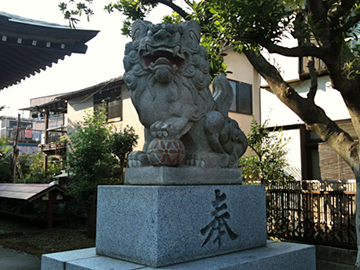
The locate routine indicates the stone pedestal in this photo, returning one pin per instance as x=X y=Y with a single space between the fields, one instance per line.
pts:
x=169 y=225
x=163 y=225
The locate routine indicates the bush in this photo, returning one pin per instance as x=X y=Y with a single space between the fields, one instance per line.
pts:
x=32 y=167
x=268 y=161
x=5 y=161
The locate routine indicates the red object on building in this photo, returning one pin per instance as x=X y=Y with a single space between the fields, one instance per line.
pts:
x=28 y=133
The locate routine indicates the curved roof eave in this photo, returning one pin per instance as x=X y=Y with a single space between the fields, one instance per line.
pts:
x=28 y=46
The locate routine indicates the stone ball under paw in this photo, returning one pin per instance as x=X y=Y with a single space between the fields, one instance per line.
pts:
x=166 y=152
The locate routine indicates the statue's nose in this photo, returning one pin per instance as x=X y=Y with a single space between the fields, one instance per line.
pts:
x=162 y=35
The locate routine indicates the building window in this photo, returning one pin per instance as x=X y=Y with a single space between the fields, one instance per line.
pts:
x=242 y=102
x=113 y=105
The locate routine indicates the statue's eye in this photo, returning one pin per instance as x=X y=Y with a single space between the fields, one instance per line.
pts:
x=153 y=28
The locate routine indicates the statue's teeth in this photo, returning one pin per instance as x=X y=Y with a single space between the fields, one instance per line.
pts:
x=176 y=50
x=150 y=49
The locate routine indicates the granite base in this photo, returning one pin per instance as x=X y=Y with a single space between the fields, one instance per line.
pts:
x=275 y=256
x=163 y=225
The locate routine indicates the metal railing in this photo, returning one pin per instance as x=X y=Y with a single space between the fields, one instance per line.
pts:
x=323 y=213
x=25 y=135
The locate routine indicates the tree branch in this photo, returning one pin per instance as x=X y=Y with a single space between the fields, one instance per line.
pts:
x=313 y=79
x=299 y=51
x=318 y=10
x=171 y=5
x=313 y=116
x=340 y=10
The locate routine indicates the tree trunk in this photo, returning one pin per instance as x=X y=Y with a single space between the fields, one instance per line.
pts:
x=91 y=219
x=357 y=218
x=316 y=120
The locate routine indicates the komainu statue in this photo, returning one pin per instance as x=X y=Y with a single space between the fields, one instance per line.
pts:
x=167 y=73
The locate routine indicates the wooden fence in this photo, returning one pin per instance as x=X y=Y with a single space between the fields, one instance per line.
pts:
x=313 y=212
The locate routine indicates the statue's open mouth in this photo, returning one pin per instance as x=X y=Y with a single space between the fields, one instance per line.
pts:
x=163 y=56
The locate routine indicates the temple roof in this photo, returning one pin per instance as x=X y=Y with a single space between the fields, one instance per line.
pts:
x=28 y=46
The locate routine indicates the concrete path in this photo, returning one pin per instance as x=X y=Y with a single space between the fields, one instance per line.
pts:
x=14 y=260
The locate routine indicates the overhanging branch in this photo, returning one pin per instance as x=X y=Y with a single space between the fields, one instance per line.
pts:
x=171 y=5
x=340 y=10
x=313 y=116
x=299 y=51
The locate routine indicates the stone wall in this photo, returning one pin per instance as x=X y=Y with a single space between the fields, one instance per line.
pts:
x=332 y=166
x=332 y=258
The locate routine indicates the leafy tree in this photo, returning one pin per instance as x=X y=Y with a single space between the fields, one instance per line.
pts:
x=95 y=149
x=5 y=161
x=324 y=30
x=91 y=162
x=89 y=156
x=268 y=160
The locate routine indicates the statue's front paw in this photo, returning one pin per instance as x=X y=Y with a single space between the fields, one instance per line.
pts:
x=138 y=159
x=162 y=130
x=196 y=160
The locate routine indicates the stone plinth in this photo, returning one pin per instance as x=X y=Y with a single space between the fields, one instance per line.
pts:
x=275 y=256
x=163 y=225
x=188 y=175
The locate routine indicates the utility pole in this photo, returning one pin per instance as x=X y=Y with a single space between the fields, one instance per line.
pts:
x=46 y=141
x=15 y=149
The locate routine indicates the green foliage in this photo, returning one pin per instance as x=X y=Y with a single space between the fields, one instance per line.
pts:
x=26 y=162
x=32 y=167
x=80 y=8
x=174 y=18
x=95 y=150
x=269 y=159
x=122 y=143
x=89 y=156
x=5 y=161
x=244 y=24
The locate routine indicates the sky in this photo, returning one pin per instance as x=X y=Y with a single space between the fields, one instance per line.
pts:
x=102 y=61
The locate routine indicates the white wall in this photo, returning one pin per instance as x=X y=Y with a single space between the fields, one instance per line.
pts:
x=293 y=147
x=326 y=97
x=76 y=110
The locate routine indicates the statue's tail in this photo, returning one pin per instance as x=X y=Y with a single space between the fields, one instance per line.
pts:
x=233 y=140
x=222 y=94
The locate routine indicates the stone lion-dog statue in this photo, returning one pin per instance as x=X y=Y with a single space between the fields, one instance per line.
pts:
x=167 y=74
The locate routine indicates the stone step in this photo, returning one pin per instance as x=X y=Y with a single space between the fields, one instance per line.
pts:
x=276 y=255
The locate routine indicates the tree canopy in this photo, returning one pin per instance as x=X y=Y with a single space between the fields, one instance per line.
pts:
x=324 y=29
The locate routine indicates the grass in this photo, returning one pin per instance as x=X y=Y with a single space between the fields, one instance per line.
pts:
x=22 y=236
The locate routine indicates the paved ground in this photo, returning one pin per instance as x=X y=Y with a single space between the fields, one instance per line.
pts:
x=13 y=260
